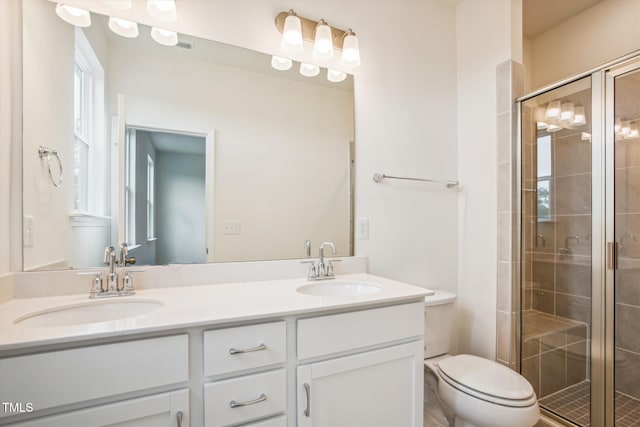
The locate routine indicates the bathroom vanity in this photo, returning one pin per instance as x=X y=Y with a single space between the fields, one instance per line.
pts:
x=253 y=353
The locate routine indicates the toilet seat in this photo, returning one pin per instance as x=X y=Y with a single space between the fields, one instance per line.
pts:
x=487 y=380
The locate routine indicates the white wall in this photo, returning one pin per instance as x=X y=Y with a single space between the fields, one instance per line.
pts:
x=47 y=86
x=484 y=40
x=604 y=32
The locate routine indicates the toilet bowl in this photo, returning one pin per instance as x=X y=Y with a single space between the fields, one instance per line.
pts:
x=471 y=390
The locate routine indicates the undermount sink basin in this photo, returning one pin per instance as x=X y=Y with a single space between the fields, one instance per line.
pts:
x=90 y=312
x=338 y=288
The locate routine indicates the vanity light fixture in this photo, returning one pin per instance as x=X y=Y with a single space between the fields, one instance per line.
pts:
x=164 y=10
x=579 y=117
x=291 y=41
x=164 y=37
x=118 y=4
x=309 y=70
x=323 y=42
x=586 y=136
x=625 y=129
x=553 y=110
x=350 y=50
x=73 y=15
x=633 y=132
x=541 y=125
x=123 y=28
x=336 y=76
x=567 y=111
x=281 y=64
x=553 y=128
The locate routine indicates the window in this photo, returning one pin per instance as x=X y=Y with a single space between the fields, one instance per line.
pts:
x=544 y=178
x=130 y=187
x=89 y=195
x=151 y=177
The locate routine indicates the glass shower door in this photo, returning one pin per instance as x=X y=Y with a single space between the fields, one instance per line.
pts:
x=626 y=176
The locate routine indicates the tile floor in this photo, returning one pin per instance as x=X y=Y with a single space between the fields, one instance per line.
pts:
x=572 y=403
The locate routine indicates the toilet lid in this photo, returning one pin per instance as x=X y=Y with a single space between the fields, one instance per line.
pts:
x=487 y=380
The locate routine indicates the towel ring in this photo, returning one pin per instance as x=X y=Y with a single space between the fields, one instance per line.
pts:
x=47 y=152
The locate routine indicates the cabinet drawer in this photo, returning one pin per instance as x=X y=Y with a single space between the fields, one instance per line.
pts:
x=219 y=395
x=324 y=335
x=245 y=347
x=67 y=376
x=280 y=421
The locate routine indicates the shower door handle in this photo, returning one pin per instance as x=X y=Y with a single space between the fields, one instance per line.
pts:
x=612 y=255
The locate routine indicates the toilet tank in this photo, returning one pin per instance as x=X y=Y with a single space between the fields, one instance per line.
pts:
x=438 y=323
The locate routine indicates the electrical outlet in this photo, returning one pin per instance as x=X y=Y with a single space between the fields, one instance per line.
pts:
x=27 y=231
x=362 y=229
x=231 y=228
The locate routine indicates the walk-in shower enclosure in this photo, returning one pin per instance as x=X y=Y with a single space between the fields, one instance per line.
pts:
x=579 y=245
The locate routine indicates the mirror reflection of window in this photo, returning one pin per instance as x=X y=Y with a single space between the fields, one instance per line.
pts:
x=544 y=177
x=130 y=187
x=151 y=177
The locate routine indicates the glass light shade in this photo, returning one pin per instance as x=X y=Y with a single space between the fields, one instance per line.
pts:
x=336 y=76
x=323 y=44
x=553 y=110
x=541 y=125
x=633 y=132
x=618 y=125
x=579 y=117
x=291 y=41
x=164 y=37
x=164 y=10
x=350 y=52
x=118 y=4
x=309 y=70
x=586 y=136
x=123 y=28
x=281 y=64
x=73 y=15
x=567 y=111
x=553 y=128
x=625 y=128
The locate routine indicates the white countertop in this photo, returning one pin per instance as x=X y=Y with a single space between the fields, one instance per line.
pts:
x=192 y=306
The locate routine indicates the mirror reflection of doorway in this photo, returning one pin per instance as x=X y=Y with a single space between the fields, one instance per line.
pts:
x=165 y=188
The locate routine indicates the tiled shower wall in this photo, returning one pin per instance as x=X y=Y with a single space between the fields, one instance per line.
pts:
x=510 y=86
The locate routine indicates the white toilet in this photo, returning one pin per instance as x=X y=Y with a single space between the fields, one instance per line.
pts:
x=472 y=391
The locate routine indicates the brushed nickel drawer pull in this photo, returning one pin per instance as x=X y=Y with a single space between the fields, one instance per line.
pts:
x=179 y=418
x=307 y=390
x=247 y=350
x=235 y=404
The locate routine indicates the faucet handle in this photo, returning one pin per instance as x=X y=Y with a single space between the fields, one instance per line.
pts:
x=330 y=272
x=313 y=273
x=96 y=283
x=127 y=282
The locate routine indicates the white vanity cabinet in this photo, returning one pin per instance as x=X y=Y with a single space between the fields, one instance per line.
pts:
x=130 y=373
x=380 y=384
x=241 y=397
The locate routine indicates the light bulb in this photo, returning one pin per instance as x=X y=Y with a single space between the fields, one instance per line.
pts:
x=164 y=37
x=350 y=50
x=309 y=70
x=541 y=125
x=336 y=76
x=618 y=125
x=291 y=41
x=281 y=64
x=579 y=117
x=323 y=44
x=164 y=10
x=123 y=28
x=586 y=136
x=553 y=128
x=553 y=110
x=73 y=15
x=633 y=132
x=625 y=128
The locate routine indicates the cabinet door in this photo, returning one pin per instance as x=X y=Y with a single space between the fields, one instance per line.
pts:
x=376 y=388
x=160 y=410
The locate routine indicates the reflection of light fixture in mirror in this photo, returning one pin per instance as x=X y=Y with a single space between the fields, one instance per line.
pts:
x=164 y=10
x=553 y=128
x=566 y=111
x=73 y=15
x=164 y=37
x=291 y=41
x=625 y=128
x=118 y=4
x=281 y=64
x=123 y=28
x=586 y=136
x=633 y=132
x=323 y=44
x=553 y=110
x=350 y=50
x=336 y=76
x=309 y=70
x=579 y=117
x=618 y=125
x=541 y=125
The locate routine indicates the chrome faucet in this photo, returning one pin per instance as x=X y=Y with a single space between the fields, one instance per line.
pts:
x=565 y=250
x=320 y=270
x=112 y=276
x=112 y=288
